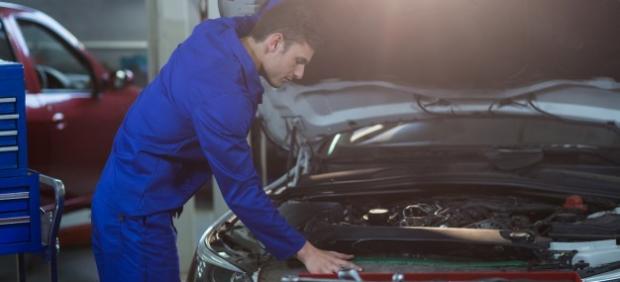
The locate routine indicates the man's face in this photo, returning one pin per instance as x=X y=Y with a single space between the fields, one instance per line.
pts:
x=285 y=63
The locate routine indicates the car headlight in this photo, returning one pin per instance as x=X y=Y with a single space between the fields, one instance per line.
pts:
x=204 y=271
x=208 y=265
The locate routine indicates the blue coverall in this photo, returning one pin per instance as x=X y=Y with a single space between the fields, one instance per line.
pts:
x=189 y=123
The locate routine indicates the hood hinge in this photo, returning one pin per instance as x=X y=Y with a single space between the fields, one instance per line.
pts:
x=297 y=147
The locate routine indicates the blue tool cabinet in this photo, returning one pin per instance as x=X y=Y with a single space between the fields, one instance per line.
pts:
x=20 y=218
x=20 y=212
x=13 y=138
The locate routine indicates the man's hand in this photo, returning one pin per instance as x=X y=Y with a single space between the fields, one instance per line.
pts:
x=320 y=261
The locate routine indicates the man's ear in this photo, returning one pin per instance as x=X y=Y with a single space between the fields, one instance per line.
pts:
x=274 y=41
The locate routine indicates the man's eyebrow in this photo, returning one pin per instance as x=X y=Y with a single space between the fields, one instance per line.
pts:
x=301 y=60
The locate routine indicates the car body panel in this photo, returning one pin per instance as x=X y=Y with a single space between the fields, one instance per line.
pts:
x=310 y=107
x=329 y=107
x=70 y=130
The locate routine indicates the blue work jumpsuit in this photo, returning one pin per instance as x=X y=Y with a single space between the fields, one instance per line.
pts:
x=189 y=123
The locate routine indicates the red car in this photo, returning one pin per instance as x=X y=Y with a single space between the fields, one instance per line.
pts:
x=74 y=105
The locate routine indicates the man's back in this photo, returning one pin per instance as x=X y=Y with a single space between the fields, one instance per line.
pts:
x=190 y=123
x=157 y=162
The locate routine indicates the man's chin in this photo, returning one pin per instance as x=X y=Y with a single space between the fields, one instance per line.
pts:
x=275 y=85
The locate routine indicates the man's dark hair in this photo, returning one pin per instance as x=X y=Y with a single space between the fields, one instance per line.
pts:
x=294 y=19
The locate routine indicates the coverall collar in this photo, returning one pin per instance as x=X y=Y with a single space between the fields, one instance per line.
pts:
x=252 y=78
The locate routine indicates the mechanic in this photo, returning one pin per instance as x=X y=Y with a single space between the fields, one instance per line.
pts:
x=189 y=123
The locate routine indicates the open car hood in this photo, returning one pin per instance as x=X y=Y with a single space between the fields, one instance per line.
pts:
x=393 y=233
x=329 y=107
x=403 y=60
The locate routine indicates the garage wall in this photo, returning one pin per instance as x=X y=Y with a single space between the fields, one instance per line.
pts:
x=115 y=31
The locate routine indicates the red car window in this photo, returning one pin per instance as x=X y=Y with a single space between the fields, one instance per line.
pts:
x=5 y=48
x=57 y=67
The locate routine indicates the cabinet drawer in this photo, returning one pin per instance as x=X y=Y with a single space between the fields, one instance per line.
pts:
x=8 y=105
x=15 y=229
x=20 y=216
x=14 y=202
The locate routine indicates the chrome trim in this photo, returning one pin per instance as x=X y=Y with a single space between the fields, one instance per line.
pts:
x=14 y=196
x=15 y=220
x=59 y=195
x=8 y=133
x=9 y=149
x=116 y=44
x=11 y=116
x=349 y=274
x=611 y=276
x=292 y=278
x=53 y=244
x=398 y=277
x=8 y=100
x=206 y=253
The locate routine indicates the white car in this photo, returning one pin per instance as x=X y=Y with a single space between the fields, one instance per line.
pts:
x=449 y=140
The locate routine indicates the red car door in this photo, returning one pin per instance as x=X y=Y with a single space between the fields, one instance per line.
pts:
x=38 y=117
x=81 y=118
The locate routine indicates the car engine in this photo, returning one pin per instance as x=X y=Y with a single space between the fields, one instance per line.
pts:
x=403 y=232
x=486 y=226
x=489 y=213
x=538 y=216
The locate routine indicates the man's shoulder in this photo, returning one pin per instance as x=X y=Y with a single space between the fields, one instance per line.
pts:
x=214 y=26
x=206 y=63
x=239 y=25
x=208 y=50
x=212 y=36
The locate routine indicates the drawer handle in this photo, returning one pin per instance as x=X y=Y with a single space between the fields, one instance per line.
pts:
x=8 y=133
x=14 y=196
x=12 y=116
x=8 y=100
x=15 y=220
x=9 y=149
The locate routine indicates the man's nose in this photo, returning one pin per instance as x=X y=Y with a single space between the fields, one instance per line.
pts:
x=299 y=71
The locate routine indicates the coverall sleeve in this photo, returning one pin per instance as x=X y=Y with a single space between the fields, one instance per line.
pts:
x=222 y=123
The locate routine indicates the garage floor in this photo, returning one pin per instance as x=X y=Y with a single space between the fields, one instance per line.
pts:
x=78 y=263
x=74 y=264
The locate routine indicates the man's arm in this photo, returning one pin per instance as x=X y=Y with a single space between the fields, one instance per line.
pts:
x=222 y=122
x=222 y=126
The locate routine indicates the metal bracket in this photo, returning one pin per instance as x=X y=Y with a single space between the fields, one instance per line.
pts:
x=349 y=275
x=343 y=276
x=53 y=245
x=301 y=166
x=293 y=124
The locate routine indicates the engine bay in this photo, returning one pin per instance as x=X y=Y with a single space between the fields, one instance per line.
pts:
x=560 y=218
x=457 y=226
x=464 y=212
x=454 y=232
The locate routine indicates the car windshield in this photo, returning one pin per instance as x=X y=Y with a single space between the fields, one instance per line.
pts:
x=465 y=43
